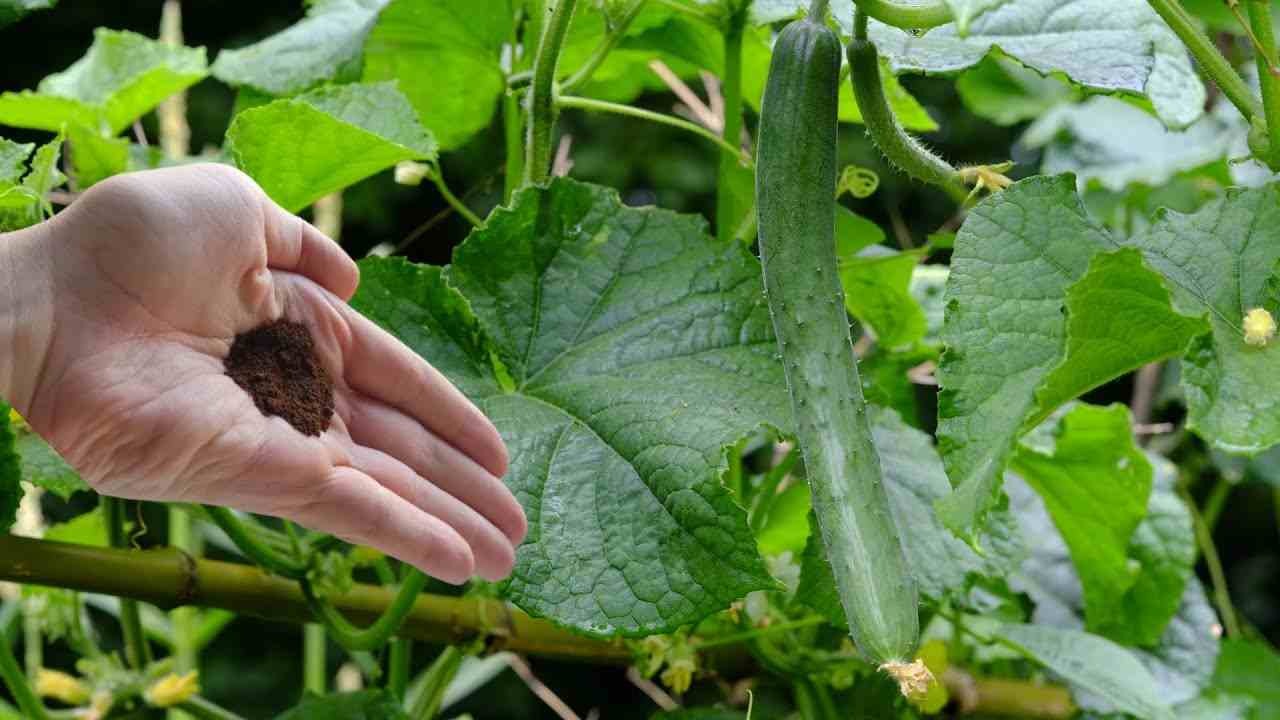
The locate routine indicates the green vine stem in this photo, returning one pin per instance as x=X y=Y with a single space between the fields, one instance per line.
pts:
x=202 y=709
x=314 y=657
x=436 y=680
x=1264 y=33
x=374 y=636
x=1215 y=502
x=581 y=103
x=731 y=207
x=437 y=177
x=252 y=548
x=17 y=683
x=167 y=578
x=1211 y=61
x=907 y=14
x=542 y=95
x=399 y=659
x=1221 y=594
x=606 y=46
x=513 y=138
x=137 y=651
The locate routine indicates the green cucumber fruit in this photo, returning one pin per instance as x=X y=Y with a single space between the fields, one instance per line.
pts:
x=899 y=147
x=795 y=200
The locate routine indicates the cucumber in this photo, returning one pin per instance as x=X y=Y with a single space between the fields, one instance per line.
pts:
x=795 y=200
x=899 y=147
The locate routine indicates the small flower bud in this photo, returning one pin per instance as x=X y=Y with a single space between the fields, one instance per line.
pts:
x=409 y=172
x=61 y=686
x=172 y=689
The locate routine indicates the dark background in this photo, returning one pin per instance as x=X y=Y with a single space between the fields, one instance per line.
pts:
x=254 y=667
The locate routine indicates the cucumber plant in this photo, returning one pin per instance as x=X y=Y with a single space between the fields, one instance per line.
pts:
x=771 y=463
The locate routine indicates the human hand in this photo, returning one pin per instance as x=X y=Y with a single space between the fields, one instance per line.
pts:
x=150 y=276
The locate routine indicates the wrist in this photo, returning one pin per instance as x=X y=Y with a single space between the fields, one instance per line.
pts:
x=26 y=313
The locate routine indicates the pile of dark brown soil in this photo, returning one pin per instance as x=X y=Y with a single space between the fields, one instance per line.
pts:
x=277 y=365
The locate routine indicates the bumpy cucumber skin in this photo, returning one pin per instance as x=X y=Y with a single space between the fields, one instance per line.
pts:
x=899 y=147
x=795 y=198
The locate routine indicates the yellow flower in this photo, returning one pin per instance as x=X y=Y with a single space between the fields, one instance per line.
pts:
x=679 y=674
x=1259 y=327
x=172 y=689
x=61 y=686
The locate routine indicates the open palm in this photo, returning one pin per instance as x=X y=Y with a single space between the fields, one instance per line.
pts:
x=153 y=274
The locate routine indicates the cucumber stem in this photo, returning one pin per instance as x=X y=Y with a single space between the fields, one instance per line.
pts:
x=907 y=14
x=542 y=101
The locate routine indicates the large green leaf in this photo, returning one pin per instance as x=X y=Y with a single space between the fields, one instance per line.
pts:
x=941 y=563
x=1007 y=93
x=1108 y=46
x=1095 y=664
x=1118 y=319
x=1015 y=261
x=1117 y=144
x=1164 y=546
x=302 y=148
x=95 y=158
x=10 y=472
x=445 y=55
x=325 y=45
x=1096 y=485
x=1250 y=668
x=964 y=11
x=364 y=705
x=619 y=351
x=121 y=77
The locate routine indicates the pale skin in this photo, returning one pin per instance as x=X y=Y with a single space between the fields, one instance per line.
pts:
x=115 y=317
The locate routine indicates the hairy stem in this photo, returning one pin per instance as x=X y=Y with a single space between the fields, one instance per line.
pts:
x=437 y=177
x=512 y=122
x=137 y=651
x=1207 y=55
x=606 y=46
x=542 y=95
x=581 y=103
x=907 y=14
x=1265 y=36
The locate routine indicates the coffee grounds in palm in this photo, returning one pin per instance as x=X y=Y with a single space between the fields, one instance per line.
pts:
x=277 y=365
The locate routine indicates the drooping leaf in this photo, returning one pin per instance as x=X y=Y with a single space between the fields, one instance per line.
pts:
x=877 y=292
x=1249 y=668
x=121 y=77
x=44 y=467
x=325 y=45
x=458 y=43
x=619 y=351
x=1116 y=144
x=1107 y=46
x=941 y=563
x=10 y=472
x=302 y=148
x=363 y=705
x=1095 y=484
x=12 y=11
x=1094 y=664
x=1017 y=257
x=1118 y=319
x=1164 y=545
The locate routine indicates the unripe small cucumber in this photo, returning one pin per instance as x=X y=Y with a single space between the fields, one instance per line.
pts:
x=900 y=148
x=795 y=200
